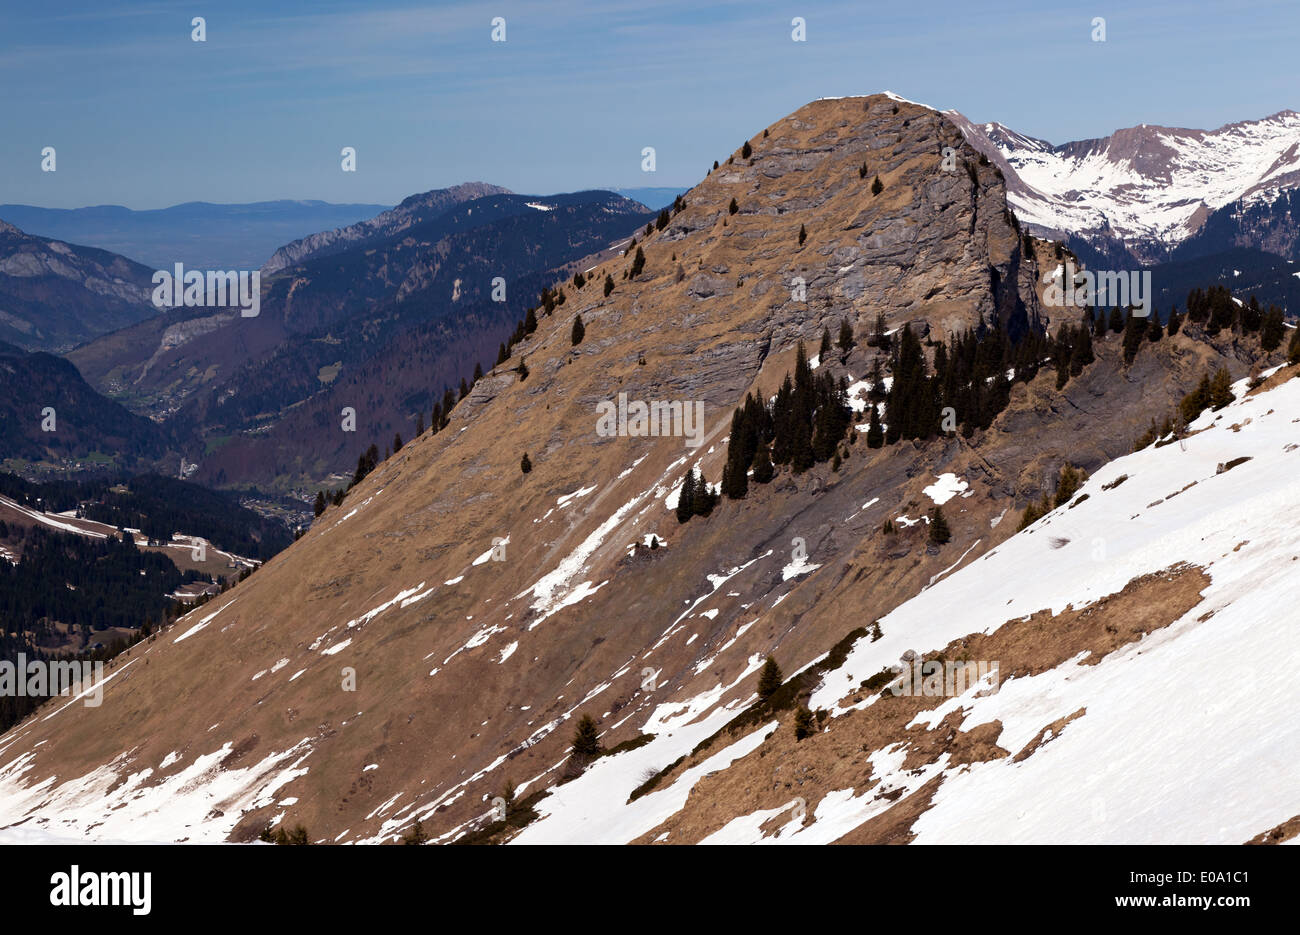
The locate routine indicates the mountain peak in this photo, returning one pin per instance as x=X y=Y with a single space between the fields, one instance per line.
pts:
x=840 y=212
x=1150 y=186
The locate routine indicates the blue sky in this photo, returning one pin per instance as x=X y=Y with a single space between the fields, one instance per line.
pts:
x=141 y=115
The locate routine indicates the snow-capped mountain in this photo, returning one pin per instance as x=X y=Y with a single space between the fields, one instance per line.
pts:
x=1149 y=187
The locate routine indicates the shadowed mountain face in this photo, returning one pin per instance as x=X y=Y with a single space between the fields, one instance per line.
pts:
x=382 y=321
x=55 y=295
x=413 y=211
x=49 y=413
x=439 y=633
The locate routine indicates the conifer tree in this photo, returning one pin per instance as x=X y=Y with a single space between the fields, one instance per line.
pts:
x=877 y=392
x=397 y=443
x=1067 y=485
x=586 y=740
x=416 y=835
x=846 y=336
x=769 y=680
x=803 y=723
x=609 y=285
x=801 y=449
x=746 y=151
x=803 y=235
x=1293 y=348
x=875 y=435
x=1116 y=320
x=1220 y=389
x=1271 y=329
x=1195 y=402
x=879 y=338
x=1081 y=354
x=530 y=321
x=763 y=469
x=1034 y=512
x=733 y=207
x=1251 y=316
x=579 y=331
x=319 y=505
x=704 y=499
x=824 y=351
x=1134 y=331
x=910 y=407
x=638 y=263
x=735 y=474
x=686 y=497
x=524 y=464
x=1175 y=322
x=523 y=370
x=939 y=531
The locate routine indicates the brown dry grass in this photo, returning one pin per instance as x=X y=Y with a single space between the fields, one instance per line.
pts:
x=837 y=758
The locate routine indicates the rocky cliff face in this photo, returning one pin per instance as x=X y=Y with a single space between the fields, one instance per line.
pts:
x=439 y=633
x=54 y=295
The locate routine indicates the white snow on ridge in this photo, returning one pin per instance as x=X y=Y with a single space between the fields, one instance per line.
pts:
x=1093 y=187
x=1176 y=721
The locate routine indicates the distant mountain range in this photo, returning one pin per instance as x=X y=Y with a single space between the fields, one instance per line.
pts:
x=198 y=234
x=202 y=235
x=381 y=316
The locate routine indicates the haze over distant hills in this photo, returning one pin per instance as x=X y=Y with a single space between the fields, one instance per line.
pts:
x=198 y=234
x=203 y=235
